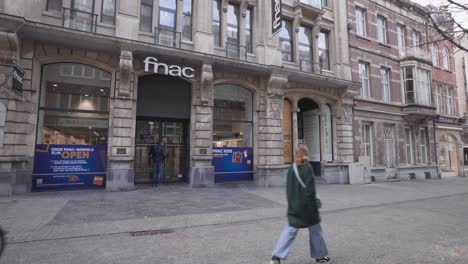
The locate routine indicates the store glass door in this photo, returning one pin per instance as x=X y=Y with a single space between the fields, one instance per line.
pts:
x=174 y=136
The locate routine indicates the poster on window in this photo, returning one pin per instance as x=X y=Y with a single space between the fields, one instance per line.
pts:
x=61 y=167
x=233 y=164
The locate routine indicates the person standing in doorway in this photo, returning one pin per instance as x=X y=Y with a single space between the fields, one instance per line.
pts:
x=158 y=154
x=302 y=211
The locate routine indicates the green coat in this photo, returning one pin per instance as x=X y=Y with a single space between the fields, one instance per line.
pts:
x=302 y=206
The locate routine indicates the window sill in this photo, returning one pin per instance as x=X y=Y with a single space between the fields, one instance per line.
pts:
x=147 y=34
x=188 y=42
x=447 y=70
x=53 y=14
x=385 y=45
x=363 y=38
x=105 y=25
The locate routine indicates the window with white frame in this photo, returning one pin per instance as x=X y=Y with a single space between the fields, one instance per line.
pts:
x=360 y=22
x=409 y=145
x=367 y=140
x=382 y=29
x=450 y=101
x=401 y=35
x=446 y=58
x=364 y=76
x=416 y=38
x=435 y=54
x=408 y=83
x=385 y=76
x=389 y=146
x=423 y=145
x=424 y=87
x=438 y=94
x=417 y=85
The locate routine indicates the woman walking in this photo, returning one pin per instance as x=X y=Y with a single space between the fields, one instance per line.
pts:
x=302 y=211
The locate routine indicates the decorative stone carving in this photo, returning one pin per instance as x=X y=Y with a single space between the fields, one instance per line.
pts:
x=348 y=114
x=297 y=20
x=276 y=85
x=126 y=72
x=9 y=48
x=206 y=85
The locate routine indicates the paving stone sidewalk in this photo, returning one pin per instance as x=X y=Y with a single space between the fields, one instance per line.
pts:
x=52 y=215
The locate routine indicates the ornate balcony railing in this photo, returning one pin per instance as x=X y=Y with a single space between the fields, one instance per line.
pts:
x=236 y=51
x=167 y=37
x=79 y=20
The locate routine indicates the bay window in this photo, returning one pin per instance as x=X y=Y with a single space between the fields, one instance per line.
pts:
x=417 y=85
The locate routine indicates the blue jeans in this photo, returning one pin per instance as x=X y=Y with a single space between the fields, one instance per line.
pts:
x=318 y=248
x=158 y=170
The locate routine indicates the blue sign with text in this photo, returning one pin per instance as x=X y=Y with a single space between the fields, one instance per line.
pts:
x=233 y=164
x=61 y=167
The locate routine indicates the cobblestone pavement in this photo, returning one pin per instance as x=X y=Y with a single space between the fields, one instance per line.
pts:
x=404 y=222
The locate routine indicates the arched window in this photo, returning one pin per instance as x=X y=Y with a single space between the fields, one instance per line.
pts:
x=435 y=55
x=232 y=123
x=446 y=58
x=74 y=105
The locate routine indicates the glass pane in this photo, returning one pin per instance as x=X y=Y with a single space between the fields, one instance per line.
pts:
x=285 y=40
x=232 y=102
x=187 y=20
x=305 y=45
x=83 y=5
x=233 y=24
x=58 y=127
x=217 y=22
x=167 y=19
x=146 y=18
x=108 y=11
x=232 y=134
x=55 y=5
x=248 y=30
x=170 y=4
x=84 y=86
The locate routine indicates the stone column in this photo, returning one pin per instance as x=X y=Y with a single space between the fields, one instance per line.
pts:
x=202 y=171
x=121 y=145
x=270 y=158
x=17 y=118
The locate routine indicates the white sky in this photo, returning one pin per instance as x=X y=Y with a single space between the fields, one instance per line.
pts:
x=461 y=18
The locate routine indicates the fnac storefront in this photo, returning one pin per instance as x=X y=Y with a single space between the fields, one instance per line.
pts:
x=72 y=131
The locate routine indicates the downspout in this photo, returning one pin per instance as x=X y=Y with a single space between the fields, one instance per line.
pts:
x=435 y=148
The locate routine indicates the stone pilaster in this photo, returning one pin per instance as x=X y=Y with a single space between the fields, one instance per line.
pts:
x=121 y=145
x=270 y=158
x=344 y=133
x=202 y=171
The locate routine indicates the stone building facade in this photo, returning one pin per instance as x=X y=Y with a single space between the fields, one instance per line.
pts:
x=461 y=62
x=117 y=76
x=406 y=116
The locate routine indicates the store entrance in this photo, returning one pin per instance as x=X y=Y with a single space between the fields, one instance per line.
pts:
x=163 y=116
x=173 y=136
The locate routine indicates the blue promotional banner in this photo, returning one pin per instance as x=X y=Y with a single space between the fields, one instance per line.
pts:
x=233 y=164
x=61 y=167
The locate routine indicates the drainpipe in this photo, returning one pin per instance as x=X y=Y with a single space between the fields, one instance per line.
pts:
x=435 y=147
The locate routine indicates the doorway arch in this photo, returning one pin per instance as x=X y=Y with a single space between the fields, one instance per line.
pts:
x=308 y=125
x=163 y=116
